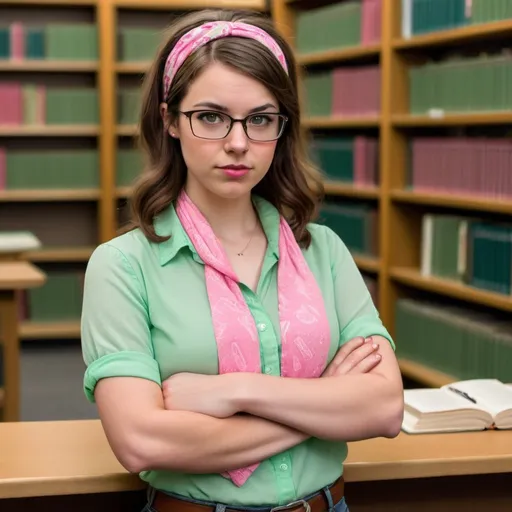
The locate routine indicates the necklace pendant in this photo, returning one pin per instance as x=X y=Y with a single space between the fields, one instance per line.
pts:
x=240 y=254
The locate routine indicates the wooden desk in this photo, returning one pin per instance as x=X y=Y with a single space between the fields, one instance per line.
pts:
x=68 y=465
x=14 y=276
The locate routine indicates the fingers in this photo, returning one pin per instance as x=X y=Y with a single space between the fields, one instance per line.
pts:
x=366 y=365
x=357 y=357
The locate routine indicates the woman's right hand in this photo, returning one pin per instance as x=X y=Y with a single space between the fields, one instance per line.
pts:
x=359 y=355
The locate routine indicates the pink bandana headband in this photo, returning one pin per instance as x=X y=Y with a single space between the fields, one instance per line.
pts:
x=210 y=31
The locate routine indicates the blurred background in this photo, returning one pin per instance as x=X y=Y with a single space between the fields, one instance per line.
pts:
x=408 y=104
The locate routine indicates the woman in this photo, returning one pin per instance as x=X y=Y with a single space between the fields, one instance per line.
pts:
x=224 y=335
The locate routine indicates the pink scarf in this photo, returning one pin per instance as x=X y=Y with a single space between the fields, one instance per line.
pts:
x=305 y=333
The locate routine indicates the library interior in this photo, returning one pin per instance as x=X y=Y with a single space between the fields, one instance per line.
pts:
x=406 y=106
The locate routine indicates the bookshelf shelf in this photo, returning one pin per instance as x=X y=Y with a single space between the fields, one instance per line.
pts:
x=367 y=263
x=49 y=195
x=466 y=34
x=191 y=4
x=49 y=330
x=50 y=131
x=423 y=374
x=122 y=192
x=63 y=3
x=349 y=190
x=480 y=204
x=49 y=66
x=412 y=277
x=470 y=119
x=61 y=254
x=339 y=55
x=340 y=122
x=132 y=67
x=128 y=130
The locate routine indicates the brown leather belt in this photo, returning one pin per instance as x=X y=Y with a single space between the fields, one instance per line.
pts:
x=318 y=503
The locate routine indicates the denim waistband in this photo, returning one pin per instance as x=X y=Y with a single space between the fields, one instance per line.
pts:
x=222 y=507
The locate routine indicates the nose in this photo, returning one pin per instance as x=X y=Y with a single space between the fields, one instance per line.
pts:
x=237 y=140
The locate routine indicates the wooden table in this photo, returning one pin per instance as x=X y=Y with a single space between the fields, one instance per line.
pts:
x=14 y=276
x=68 y=465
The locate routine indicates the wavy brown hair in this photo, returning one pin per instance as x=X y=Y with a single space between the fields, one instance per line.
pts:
x=292 y=184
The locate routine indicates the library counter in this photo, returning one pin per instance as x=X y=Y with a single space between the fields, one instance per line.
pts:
x=68 y=465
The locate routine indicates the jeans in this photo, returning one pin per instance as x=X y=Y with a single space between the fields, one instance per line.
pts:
x=341 y=506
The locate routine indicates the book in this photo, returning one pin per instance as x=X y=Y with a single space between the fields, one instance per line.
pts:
x=468 y=405
x=18 y=241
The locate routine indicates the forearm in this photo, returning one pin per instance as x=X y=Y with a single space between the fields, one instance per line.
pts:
x=196 y=443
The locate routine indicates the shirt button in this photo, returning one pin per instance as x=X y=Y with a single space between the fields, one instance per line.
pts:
x=268 y=370
x=284 y=467
x=262 y=327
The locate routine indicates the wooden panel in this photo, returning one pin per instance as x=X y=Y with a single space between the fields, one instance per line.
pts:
x=49 y=330
x=349 y=190
x=339 y=56
x=60 y=130
x=341 y=122
x=62 y=254
x=48 y=66
x=19 y=275
x=258 y=5
x=473 y=119
x=49 y=195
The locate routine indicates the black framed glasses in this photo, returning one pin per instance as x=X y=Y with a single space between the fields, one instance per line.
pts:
x=213 y=125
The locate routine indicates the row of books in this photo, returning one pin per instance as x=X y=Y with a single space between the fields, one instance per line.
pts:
x=347 y=159
x=469 y=250
x=138 y=44
x=461 y=84
x=343 y=91
x=468 y=166
x=59 y=299
x=422 y=16
x=30 y=103
x=62 y=169
x=461 y=341
x=356 y=223
x=339 y=25
x=128 y=105
x=52 y=41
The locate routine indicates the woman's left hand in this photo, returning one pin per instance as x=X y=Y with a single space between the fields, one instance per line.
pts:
x=205 y=394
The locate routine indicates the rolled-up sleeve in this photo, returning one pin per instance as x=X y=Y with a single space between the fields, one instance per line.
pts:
x=115 y=324
x=357 y=314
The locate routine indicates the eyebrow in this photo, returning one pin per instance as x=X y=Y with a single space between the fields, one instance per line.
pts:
x=222 y=108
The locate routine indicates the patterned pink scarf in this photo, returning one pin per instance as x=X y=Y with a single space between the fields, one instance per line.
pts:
x=305 y=334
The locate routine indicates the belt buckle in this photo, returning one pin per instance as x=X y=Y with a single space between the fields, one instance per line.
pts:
x=304 y=503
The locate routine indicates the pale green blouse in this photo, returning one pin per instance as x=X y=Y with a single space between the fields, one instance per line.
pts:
x=146 y=314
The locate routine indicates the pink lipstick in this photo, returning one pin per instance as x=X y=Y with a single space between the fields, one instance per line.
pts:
x=235 y=171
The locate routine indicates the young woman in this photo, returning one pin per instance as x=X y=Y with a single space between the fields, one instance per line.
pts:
x=231 y=345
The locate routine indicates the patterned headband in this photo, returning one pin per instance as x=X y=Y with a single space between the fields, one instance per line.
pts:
x=207 y=32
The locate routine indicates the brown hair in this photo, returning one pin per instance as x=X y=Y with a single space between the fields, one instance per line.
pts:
x=287 y=184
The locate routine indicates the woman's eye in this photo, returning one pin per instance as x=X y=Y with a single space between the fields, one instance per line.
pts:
x=210 y=117
x=260 y=120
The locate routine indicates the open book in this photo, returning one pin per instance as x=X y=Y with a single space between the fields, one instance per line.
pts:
x=477 y=404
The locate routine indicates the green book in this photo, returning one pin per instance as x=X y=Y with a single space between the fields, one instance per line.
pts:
x=318 y=93
x=335 y=157
x=77 y=41
x=77 y=105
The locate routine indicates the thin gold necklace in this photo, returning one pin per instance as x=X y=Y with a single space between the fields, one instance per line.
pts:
x=241 y=253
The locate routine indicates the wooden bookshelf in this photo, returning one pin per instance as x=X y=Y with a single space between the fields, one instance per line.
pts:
x=349 y=190
x=400 y=209
x=449 y=119
x=258 y=5
x=59 y=254
x=423 y=374
x=50 y=330
x=365 y=263
x=340 y=122
x=413 y=278
x=468 y=34
x=49 y=195
x=475 y=204
x=132 y=67
x=49 y=66
x=340 y=55
x=129 y=130
x=50 y=131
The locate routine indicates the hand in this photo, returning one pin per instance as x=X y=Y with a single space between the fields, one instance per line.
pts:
x=205 y=394
x=356 y=356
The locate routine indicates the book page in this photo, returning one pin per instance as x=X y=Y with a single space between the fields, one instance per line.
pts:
x=436 y=400
x=490 y=394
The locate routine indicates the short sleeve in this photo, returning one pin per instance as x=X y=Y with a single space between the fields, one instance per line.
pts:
x=357 y=314
x=115 y=325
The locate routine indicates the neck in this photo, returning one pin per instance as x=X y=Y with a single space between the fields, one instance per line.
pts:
x=230 y=219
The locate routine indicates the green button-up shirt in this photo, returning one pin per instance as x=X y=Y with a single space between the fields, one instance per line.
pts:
x=146 y=314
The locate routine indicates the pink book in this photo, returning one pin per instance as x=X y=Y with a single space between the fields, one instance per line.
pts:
x=11 y=103
x=17 y=41
x=3 y=169
x=371 y=20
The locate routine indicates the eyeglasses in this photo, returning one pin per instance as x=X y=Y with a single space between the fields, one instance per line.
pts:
x=209 y=124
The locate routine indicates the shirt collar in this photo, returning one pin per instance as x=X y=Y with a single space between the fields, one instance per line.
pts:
x=167 y=223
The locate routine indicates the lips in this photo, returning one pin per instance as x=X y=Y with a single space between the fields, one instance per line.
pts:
x=235 y=171
x=235 y=167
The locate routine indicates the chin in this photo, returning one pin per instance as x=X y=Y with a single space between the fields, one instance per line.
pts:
x=233 y=189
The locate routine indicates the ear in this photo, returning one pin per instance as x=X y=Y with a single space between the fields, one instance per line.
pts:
x=171 y=127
